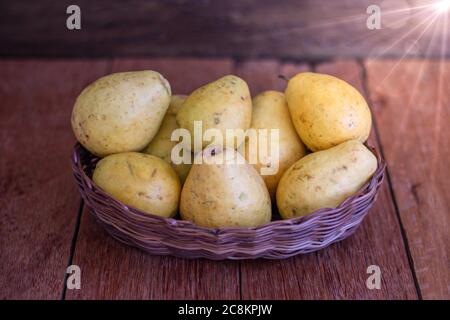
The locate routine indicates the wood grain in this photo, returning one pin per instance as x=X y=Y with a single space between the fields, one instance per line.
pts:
x=339 y=271
x=39 y=201
x=307 y=29
x=411 y=103
x=184 y=74
x=262 y=73
x=38 y=197
x=111 y=270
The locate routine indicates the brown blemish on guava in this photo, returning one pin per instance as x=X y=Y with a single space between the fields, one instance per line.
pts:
x=143 y=194
x=130 y=168
x=344 y=167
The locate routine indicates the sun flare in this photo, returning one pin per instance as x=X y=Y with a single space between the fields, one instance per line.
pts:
x=442 y=6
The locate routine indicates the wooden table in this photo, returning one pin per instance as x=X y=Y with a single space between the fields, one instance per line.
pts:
x=45 y=227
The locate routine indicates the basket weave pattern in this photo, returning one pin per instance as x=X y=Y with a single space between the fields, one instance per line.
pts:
x=276 y=240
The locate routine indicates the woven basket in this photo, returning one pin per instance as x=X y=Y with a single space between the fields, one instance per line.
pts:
x=276 y=240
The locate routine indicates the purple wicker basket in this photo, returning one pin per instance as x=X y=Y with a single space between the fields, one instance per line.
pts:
x=276 y=240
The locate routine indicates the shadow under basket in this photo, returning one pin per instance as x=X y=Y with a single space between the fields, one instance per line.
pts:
x=278 y=239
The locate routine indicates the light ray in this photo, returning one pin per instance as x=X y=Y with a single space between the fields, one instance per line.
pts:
x=410 y=106
x=362 y=16
x=379 y=35
x=408 y=50
x=440 y=100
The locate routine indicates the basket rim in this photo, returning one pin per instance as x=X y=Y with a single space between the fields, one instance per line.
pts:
x=376 y=178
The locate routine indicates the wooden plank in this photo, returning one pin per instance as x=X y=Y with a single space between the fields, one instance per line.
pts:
x=251 y=28
x=411 y=103
x=111 y=270
x=38 y=197
x=267 y=74
x=184 y=74
x=263 y=73
x=339 y=271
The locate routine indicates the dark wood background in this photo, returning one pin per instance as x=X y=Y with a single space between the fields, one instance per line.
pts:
x=286 y=29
